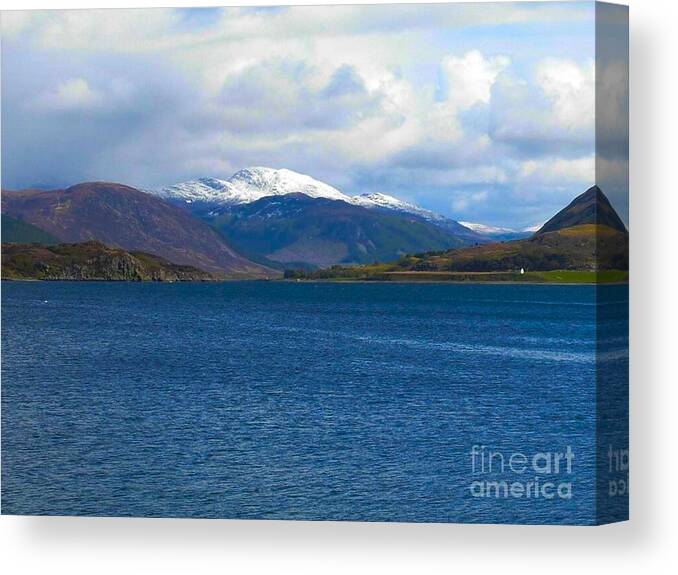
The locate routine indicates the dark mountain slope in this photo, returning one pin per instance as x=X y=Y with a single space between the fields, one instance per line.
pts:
x=17 y=232
x=119 y=215
x=591 y=207
x=298 y=230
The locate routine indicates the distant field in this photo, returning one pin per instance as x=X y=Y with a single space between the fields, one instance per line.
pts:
x=383 y=273
x=570 y=276
x=556 y=276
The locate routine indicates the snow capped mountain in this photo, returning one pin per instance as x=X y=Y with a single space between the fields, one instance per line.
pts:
x=247 y=186
x=251 y=184
x=270 y=182
x=202 y=190
x=487 y=230
x=498 y=233
x=378 y=200
x=210 y=196
x=255 y=194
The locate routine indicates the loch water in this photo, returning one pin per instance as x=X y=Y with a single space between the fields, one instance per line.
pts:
x=328 y=401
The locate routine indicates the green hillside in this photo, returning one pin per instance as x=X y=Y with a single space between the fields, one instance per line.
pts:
x=585 y=242
x=296 y=230
x=18 y=232
x=581 y=254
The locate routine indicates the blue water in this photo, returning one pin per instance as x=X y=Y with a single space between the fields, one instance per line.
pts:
x=297 y=400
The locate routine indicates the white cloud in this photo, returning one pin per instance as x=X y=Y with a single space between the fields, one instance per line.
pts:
x=15 y=22
x=72 y=94
x=424 y=109
x=571 y=89
x=97 y=30
x=462 y=203
x=470 y=77
x=559 y=171
x=550 y=112
x=128 y=30
x=78 y=95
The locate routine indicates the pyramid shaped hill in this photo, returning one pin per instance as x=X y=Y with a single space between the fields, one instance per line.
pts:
x=591 y=207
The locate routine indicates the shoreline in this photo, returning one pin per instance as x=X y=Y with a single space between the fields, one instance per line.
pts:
x=317 y=281
x=439 y=282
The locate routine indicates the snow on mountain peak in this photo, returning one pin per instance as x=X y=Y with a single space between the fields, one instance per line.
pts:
x=487 y=230
x=272 y=182
x=249 y=185
x=379 y=200
x=212 y=183
x=202 y=190
x=253 y=183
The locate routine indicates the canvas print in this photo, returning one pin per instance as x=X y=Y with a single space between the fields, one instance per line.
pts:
x=364 y=263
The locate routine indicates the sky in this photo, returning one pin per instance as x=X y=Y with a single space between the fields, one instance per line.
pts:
x=481 y=112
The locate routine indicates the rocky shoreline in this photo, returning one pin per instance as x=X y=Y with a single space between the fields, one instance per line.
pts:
x=92 y=261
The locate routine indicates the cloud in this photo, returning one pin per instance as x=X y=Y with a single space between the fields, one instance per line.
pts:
x=612 y=135
x=571 y=89
x=461 y=204
x=74 y=94
x=470 y=77
x=78 y=96
x=432 y=103
x=548 y=112
x=97 y=30
x=138 y=30
x=559 y=171
x=280 y=95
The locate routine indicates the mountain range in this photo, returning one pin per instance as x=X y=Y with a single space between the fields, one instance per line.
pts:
x=296 y=230
x=282 y=218
x=124 y=217
x=255 y=224
x=252 y=184
x=587 y=235
x=262 y=221
x=497 y=233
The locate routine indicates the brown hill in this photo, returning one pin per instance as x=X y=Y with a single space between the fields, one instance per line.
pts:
x=584 y=247
x=569 y=241
x=122 y=216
